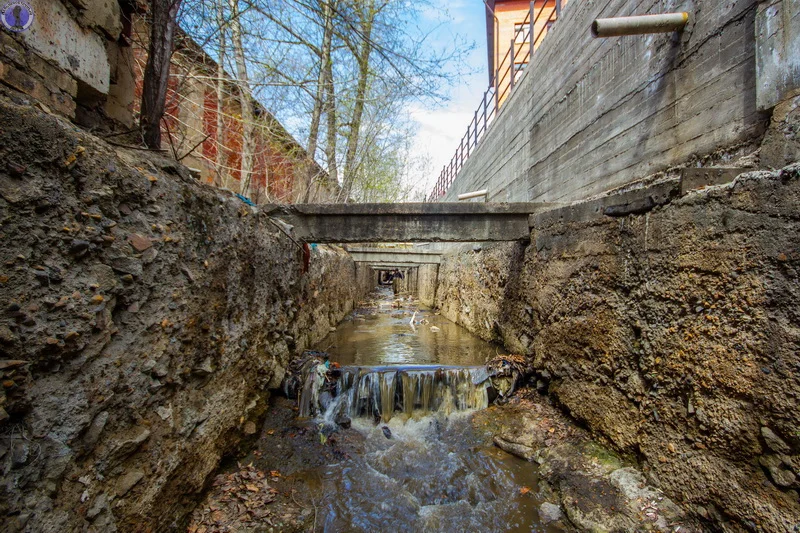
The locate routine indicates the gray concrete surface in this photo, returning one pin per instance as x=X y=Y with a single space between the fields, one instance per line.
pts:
x=384 y=255
x=591 y=115
x=777 y=51
x=411 y=222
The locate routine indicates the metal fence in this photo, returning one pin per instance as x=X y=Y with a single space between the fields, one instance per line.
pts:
x=528 y=35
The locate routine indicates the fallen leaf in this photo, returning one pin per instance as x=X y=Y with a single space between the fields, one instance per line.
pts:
x=524 y=490
x=252 y=488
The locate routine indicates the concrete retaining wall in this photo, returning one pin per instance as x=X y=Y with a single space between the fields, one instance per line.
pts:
x=671 y=333
x=590 y=115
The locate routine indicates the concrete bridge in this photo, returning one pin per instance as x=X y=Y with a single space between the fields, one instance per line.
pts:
x=411 y=222
x=403 y=256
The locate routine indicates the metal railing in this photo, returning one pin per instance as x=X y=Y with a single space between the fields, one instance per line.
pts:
x=527 y=37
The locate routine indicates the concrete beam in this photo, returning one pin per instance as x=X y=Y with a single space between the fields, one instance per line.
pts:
x=392 y=266
x=388 y=255
x=411 y=222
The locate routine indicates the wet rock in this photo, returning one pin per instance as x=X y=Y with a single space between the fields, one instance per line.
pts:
x=79 y=247
x=343 y=421
x=139 y=242
x=123 y=448
x=387 y=432
x=780 y=475
x=20 y=451
x=160 y=369
x=95 y=429
x=99 y=505
x=165 y=413
x=104 y=277
x=774 y=442
x=128 y=481
x=205 y=368
x=250 y=428
x=520 y=450
x=127 y=265
x=6 y=336
x=149 y=255
x=549 y=512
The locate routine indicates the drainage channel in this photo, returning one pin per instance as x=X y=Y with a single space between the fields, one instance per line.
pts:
x=381 y=437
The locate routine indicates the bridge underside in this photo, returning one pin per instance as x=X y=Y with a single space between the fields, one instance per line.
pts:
x=412 y=222
x=393 y=266
x=388 y=256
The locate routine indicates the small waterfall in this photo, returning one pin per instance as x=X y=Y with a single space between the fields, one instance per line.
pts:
x=380 y=392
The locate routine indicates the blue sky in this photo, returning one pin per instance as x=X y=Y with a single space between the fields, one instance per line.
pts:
x=440 y=128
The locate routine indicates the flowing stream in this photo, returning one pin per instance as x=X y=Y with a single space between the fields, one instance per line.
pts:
x=409 y=391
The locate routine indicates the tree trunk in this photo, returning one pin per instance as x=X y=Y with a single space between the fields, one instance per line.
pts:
x=324 y=57
x=330 y=98
x=245 y=101
x=221 y=171
x=361 y=94
x=156 y=72
x=331 y=137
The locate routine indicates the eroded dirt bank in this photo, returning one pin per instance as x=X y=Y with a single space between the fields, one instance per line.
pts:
x=143 y=318
x=673 y=334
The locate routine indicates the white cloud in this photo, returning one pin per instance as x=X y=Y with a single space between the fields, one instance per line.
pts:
x=439 y=131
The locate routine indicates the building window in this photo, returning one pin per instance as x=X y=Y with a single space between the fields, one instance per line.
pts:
x=521 y=33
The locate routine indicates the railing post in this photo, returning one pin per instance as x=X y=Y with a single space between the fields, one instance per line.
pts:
x=497 y=89
x=484 y=109
x=512 y=72
x=533 y=10
x=476 y=127
x=558 y=9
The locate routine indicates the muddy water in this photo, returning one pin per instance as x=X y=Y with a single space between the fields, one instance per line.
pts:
x=419 y=471
x=382 y=334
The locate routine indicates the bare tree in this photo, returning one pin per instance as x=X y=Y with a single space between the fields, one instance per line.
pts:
x=336 y=71
x=245 y=100
x=367 y=12
x=163 y=23
x=220 y=163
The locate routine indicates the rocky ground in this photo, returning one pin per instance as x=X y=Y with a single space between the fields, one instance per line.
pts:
x=584 y=486
x=143 y=318
x=287 y=446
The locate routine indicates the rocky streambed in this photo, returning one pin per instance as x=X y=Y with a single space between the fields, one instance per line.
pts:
x=519 y=466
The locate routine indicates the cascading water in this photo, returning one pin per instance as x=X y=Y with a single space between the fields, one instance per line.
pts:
x=424 y=467
x=380 y=392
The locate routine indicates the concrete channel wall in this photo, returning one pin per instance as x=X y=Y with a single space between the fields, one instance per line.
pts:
x=591 y=115
x=673 y=334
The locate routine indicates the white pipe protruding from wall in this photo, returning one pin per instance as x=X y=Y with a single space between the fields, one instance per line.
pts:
x=618 y=26
x=473 y=194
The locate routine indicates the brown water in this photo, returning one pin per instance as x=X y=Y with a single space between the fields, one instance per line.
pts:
x=383 y=335
x=422 y=470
